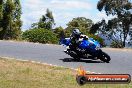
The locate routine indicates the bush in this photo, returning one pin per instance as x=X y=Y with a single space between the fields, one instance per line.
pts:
x=40 y=35
x=116 y=44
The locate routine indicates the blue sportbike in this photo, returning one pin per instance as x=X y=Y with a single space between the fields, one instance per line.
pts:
x=87 y=48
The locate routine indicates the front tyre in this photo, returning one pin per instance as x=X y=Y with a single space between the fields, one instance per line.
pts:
x=74 y=55
x=105 y=57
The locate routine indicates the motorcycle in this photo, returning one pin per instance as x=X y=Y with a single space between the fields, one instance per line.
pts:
x=87 y=48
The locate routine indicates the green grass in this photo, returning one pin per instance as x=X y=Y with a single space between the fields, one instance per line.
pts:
x=20 y=74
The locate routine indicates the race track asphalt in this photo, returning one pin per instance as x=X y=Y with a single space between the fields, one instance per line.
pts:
x=121 y=60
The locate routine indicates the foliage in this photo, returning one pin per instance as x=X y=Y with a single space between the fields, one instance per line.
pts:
x=17 y=19
x=59 y=31
x=82 y=23
x=46 y=21
x=7 y=31
x=122 y=22
x=1 y=12
x=10 y=22
x=97 y=27
x=116 y=44
x=1 y=15
x=40 y=35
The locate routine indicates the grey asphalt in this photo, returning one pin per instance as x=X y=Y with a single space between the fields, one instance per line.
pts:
x=121 y=60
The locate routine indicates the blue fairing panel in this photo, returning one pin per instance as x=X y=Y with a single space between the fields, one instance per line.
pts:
x=66 y=41
x=84 y=44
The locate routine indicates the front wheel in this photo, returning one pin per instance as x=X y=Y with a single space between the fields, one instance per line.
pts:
x=105 y=57
x=74 y=55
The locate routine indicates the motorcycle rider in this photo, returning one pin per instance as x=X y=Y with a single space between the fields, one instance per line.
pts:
x=75 y=38
x=76 y=42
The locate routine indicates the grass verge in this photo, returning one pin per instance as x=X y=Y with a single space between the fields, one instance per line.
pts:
x=25 y=74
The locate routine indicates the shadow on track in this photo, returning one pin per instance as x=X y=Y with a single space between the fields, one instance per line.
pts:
x=82 y=60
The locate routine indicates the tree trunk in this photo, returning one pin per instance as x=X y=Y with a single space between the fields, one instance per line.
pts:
x=125 y=31
x=124 y=41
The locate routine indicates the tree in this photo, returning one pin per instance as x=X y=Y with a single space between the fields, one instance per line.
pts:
x=123 y=21
x=95 y=28
x=1 y=11
x=1 y=17
x=45 y=22
x=107 y=28
x=49 y=19
x=81 y=23
x=59 y=31
x=8 y=20
x=17 y=19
